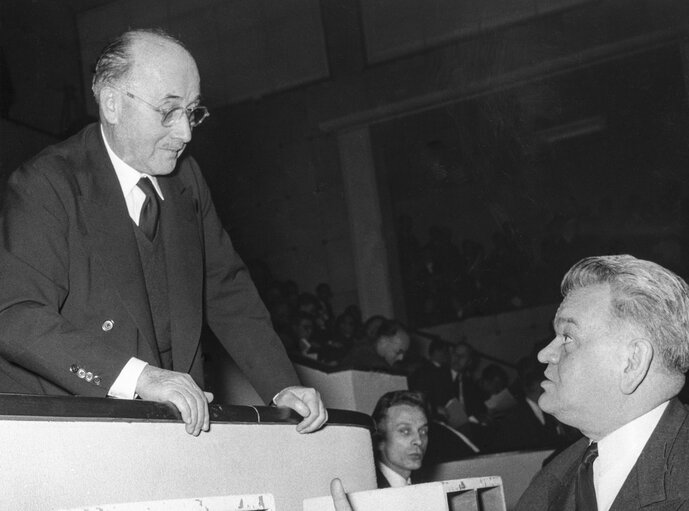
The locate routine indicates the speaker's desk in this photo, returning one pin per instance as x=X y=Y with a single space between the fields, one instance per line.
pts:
x=66 y=452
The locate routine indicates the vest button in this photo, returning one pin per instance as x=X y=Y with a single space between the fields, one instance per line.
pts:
x=107 y=325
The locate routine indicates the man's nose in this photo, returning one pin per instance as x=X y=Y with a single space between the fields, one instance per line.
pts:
x=182 y=129
x=551 y=353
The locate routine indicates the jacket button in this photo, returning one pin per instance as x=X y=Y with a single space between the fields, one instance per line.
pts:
x=107 y=325
x=89 y=376
x=81 y=373
x=74 y=368
x=96 y=380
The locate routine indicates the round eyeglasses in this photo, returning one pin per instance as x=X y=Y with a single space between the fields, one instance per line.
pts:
x=195 y=115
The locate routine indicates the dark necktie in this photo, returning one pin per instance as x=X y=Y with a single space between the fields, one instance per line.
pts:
x=585 y=491
x=150 y=211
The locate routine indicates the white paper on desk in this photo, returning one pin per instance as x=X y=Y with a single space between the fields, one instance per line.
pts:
x=258 y=502
x=501 y=402
x=456 y=415
x=416 y=497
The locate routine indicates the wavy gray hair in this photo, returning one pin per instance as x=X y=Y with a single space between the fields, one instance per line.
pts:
x=644 y=294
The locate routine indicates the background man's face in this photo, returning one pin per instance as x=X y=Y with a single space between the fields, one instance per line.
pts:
x=165 y=76
x=583 y=360
x=394 y=348
x=462 y=358
x=405 y=438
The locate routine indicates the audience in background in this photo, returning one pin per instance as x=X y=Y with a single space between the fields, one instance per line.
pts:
x=386 y=352
x=400 y=438
x=467 y=404
x=526 y=426
x=303 y=326
x=340 y=340
x=434 y=378
x=369 y=332
x=325 y=296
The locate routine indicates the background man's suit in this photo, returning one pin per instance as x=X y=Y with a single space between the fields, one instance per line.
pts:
x=73 y=299
x=658 y=481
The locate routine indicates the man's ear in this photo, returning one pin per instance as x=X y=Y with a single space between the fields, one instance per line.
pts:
x=639 y=353
x=110 y=104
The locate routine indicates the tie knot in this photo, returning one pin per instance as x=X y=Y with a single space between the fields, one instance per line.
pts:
x=147 y=187
x=590 y=454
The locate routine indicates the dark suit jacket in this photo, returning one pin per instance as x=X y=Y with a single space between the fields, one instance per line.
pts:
x=658 y=481
x=435 y=382
x=383 y=482
x=520 y=429
x=72 y=292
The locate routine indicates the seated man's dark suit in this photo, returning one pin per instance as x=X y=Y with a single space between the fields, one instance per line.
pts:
x=434 y=381
x=520 y=429
x=365 y=358
x=381 y=480
x=658 y=481
x=74 y=304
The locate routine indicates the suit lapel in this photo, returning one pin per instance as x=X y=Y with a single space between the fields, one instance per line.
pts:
x=645 y=484
x=184 y=261
x=111 y=237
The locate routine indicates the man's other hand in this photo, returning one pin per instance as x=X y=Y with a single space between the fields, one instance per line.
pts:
x=307 y=403
x=339 y=496
x=155 y=384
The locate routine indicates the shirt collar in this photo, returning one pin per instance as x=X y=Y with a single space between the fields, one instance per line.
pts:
x=128 y=176
x=395 y=480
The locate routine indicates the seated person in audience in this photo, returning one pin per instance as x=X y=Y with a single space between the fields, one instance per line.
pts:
x=496 y=394
x=401 y=437
x=342 y=339
x=325 y=297
x=433 y=378
x=614 y=370
x=369 y=332
x=466 y=411
x=467 y=403
x=303 y=326
x=308 y=302
x=526 y=426
x=383 y=355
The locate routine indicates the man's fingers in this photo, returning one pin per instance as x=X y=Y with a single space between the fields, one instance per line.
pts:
x=315 y=420
x=160 y=385
x=307 y=403
x=339 y=496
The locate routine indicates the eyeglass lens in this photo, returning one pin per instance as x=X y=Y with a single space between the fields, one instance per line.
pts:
x=195 y=116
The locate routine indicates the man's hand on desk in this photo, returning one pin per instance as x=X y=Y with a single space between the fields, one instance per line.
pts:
x=155 y=384
x=307 y=403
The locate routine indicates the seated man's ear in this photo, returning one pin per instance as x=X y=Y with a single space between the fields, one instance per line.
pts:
x=639 y=355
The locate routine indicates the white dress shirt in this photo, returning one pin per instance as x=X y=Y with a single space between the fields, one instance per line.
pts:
x=617 y=455
x=125 y=384
x=395 y=480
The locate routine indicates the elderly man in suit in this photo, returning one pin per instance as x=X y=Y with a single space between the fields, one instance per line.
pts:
x=614 y=369
x=112 y=254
